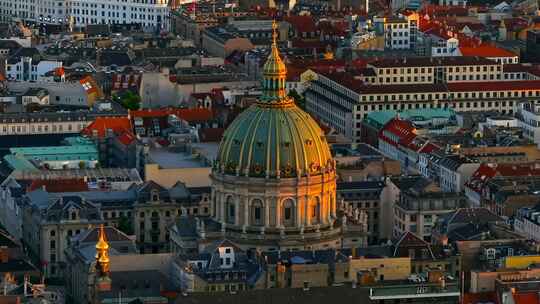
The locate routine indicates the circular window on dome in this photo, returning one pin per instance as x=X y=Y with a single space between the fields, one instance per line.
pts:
x=257 y=169
x=288 y=170
x=236 y=142
x=314 y=167
x=286 y=144
x=309 y=142
x=260 y=144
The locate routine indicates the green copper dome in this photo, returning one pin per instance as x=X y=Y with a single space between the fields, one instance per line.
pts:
x=273 y=137
x=274 y=141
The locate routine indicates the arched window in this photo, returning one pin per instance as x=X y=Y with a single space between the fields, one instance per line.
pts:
x=230 y=210
x=288 y=213
x=257 y=213
x=316 y=211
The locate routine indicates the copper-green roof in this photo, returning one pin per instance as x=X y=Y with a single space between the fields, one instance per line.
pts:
x=271 y=141
x=273 y=137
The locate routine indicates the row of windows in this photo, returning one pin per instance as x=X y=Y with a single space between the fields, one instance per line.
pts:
x=444 y=96
x=40 y=128
x=449 y=69
x=398 y=26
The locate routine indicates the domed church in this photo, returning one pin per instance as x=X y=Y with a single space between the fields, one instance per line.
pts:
x=274 y=179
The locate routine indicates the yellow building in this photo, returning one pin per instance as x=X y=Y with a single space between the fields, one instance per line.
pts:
x=521 y=262
x=379 y=269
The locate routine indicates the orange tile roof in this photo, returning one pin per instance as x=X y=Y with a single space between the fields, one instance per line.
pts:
x=59 y=71
x=485 y=50
x=102 y=124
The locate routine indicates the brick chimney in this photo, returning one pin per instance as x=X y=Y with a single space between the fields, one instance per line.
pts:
x=4 y=255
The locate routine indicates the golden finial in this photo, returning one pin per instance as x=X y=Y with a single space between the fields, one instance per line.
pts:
x=274 y=32
x=102 y=252
x=102 y=242
x=104 y=259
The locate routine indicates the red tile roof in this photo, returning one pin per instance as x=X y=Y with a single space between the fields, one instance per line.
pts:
x=89 y=85
x=398 y=132
x=495 y=86
x=59 y=185
x=59 y=71
x=102 y=124
x=478 y=298
x=345 y=79
x=486 y=172
x=517 y=68
x=333 y=28
x=486 y=50
x=126 y=138
x=296 y=67
x=526 y=298
x=302 y=24
x=195 y=115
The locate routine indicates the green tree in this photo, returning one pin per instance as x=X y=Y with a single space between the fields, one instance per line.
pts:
x=129 y=100
x=300 y=100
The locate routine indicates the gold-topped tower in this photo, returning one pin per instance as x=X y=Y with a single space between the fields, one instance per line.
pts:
x=274 y=73
x=102 y=252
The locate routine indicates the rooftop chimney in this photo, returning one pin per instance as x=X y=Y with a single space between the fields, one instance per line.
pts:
x=4 y=256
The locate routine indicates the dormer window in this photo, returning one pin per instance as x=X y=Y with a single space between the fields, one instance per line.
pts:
x=154 y=195
x=73 y=215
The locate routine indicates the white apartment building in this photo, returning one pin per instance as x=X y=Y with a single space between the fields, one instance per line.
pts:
x=27 y=69
x=19 y=9
x=528 y=115
x=400 y=32
x=445 y=47
x=43 y=123
x=148 y=13
x=343 y=99
x=26 y=65
x=527 y=223
x=151 y=14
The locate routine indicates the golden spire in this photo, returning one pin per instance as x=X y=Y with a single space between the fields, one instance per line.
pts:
x=102 y=242
x=102 y=252
x=274 y=71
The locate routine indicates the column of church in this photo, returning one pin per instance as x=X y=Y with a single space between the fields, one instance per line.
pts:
x=245 y=211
